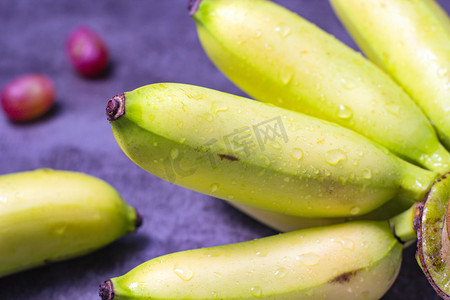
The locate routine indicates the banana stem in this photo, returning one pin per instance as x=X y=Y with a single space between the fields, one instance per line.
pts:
x=115 y=107
x=404 y=224
x=106 y=290
x=416 y=182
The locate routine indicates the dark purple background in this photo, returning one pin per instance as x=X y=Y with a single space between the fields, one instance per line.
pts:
x=150 y=41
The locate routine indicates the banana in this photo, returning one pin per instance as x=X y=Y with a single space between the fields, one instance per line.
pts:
x=278 y=57
x=355 y=260
x=48 y=215
x=410 y=40
x=286 y=223
x=246 y=151
x=433 y=228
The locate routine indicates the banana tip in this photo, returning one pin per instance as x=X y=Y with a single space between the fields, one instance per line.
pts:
x=115 y=107
x=138 y=221
x=193 y=6
x=107 y=290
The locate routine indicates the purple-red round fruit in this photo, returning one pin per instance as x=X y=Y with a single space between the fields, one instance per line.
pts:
x=87 y=52
x=27 y=97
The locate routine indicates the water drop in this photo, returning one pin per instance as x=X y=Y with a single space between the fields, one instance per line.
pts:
x=347 y=84
x=262 y=172
x=18 y=196
x=61 y=230
x=214 y=187
x=256 y=291
x=347 y=244
x=281 y=273
x=268 y=47
x=287 y=179
x=367 y=174
x=333 y=157
x=155 y=144
x=230 y=197
x=183 y=272
x=283 y=30
x=297 y=153
x=308 y=259
x=174 y=153
x=218 y=107
x=257 y=34
x=275 y=145
x=344 y=112
x=182 y=140
x=442 y=72
x=261 y=252
x=208 y=117
x=267 y=161
x=355 y=210
x=286 y=76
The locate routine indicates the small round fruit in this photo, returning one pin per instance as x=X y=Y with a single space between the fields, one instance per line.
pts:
x=27 y=97
x=87 y=52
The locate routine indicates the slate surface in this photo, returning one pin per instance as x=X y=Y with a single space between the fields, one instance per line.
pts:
x=150 y=41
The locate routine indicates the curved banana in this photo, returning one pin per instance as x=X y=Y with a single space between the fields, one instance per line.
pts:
x=355 y=260
x=277 y=57
x=410 y=40
x=246 y=151
x=48 y=215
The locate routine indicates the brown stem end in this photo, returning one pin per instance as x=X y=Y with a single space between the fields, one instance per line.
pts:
x=107 y=290
x=193 y=6
x=115 y=107
x=138 y=221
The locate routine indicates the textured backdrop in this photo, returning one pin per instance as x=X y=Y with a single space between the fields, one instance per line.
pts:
x=150 y=41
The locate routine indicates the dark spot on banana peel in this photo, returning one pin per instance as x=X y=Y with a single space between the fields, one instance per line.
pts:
x=344 y=277
x=115 y=108
x=228 y=157
x=106 y=290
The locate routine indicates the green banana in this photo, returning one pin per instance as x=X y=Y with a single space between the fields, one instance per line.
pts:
x=355 y=260
x=48 y=215
x=277 y=57
x=410 y=40
x=218 y=144
x=433 y=245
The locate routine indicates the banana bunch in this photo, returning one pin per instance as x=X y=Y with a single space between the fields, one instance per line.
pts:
x=332 y=138
x=48 y=215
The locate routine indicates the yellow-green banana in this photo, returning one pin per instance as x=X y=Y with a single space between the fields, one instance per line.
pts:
x=286 y=223
x=48 y=215
x=277 y=57
x=411 y=41
x=247 y=151
x=355 y=260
